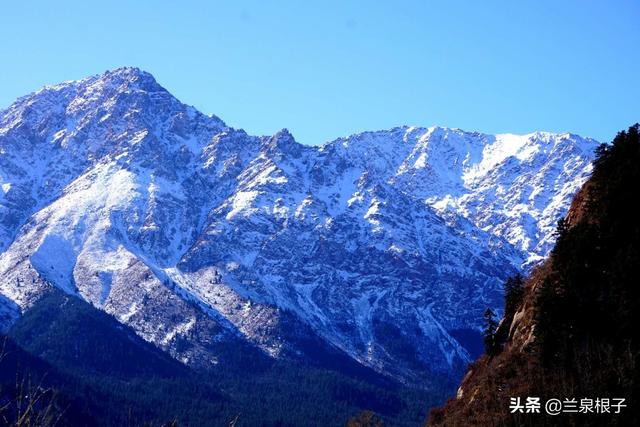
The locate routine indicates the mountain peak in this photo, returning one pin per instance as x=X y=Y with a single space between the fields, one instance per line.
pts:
x=283 y=134
x=132 y=78
x=128 y=70
x=123 y=78
x=283 y=142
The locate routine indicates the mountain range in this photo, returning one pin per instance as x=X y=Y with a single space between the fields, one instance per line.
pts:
x=384 y=247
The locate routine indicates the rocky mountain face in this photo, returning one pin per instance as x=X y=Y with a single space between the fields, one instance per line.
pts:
x=385 y=245
x=572 y=333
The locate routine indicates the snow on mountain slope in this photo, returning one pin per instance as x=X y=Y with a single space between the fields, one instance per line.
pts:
x=385 y=245
x=515 y=187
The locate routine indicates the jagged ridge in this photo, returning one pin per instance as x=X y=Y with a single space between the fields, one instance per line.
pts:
x=386 y=245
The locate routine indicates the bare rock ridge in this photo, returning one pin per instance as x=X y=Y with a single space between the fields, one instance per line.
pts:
x=386 y=245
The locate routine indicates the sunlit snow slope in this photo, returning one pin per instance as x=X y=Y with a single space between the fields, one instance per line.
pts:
x=386 y=245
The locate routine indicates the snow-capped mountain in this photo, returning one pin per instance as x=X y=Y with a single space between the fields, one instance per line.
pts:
x=386 y=245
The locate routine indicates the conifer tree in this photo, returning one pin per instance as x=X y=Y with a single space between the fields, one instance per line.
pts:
x=513 y=293
x=491 y=344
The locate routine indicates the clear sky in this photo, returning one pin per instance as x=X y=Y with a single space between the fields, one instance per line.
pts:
x=331 y=68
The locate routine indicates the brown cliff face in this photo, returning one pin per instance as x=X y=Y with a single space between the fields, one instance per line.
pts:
x=573 y=333
x=483 y=396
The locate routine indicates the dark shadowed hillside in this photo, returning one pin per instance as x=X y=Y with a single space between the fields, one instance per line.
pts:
x=86 y=369
x=570 y=332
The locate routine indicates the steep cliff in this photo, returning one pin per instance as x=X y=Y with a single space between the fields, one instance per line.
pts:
x=572 y=334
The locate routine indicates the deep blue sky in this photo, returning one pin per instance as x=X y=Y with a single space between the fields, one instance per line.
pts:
x=334 y=68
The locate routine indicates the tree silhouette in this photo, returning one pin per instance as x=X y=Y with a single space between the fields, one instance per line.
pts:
x=513 y=293
x=491 y=344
